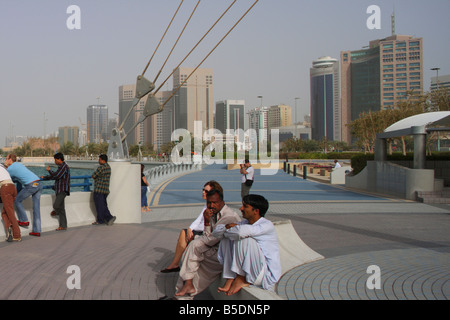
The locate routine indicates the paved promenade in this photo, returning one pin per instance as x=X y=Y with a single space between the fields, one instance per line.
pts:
x=409 y=242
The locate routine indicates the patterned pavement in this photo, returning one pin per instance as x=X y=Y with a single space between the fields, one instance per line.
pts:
x=409 y=242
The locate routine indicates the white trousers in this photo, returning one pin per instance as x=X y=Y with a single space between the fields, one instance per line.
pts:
x=199 y=264
x=244 y=258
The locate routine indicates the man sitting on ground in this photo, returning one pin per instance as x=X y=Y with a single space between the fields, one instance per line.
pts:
x=249 y=250
x=200 y=266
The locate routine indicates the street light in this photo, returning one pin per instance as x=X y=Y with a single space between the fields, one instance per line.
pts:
x=295 y=117
x=296 y=109
x=437 y=76
x=437 y=88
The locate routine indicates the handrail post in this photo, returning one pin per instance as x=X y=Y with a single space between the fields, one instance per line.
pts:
x=87 y=184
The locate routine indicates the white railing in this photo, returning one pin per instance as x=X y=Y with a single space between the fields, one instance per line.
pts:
x=157 y=175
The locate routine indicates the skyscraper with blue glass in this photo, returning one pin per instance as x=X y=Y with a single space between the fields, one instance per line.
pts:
x=325 y=99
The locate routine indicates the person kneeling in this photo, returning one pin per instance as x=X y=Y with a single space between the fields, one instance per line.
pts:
x=249 y=250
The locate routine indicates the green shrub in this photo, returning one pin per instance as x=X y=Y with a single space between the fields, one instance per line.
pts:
x=359 y=162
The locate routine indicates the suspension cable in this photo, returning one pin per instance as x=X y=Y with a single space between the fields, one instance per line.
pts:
x=176 y=12
x=223 y=38
x=204 y=36
x=176 y=42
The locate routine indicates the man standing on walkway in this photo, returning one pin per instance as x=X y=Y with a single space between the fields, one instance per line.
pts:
x=247 y=172
x=61 y=187
x=31 y=186
x=249 y=250
x=8 y=194
x=200 y=266
x=101 y=178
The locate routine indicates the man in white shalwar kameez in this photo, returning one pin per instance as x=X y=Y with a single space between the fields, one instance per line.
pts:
x=200 y=266
x=249 y=250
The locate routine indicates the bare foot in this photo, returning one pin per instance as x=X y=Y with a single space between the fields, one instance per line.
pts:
x=226 y=287
x=237 y=285
x=188 y=288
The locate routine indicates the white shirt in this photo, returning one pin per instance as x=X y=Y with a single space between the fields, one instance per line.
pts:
x=199 y=223
x=250 y=173
x=337 y=165
x=4 y=175
x=263 y=231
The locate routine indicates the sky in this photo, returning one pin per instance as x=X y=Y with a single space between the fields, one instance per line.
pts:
x=50 y=74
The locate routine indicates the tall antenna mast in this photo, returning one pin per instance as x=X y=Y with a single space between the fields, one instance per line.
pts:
x=393 y=21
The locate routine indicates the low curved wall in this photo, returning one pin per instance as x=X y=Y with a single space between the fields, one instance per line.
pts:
x=293 y=253
x=124 y=202
x=80 y=210
x=392 y=179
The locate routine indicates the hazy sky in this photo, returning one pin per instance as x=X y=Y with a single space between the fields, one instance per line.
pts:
x=50 y=72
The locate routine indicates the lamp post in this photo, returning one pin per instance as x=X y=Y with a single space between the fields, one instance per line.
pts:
x=295 y=117
x=437 y=76
x=437 y=88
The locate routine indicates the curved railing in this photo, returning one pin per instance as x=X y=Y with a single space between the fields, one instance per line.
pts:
x=159 y=174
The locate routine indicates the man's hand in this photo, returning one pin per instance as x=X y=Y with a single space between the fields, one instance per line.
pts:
x=230 y=225
x=189 y=235
x=207 y=214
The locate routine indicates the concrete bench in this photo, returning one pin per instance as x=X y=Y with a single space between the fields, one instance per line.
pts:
x=293 y=252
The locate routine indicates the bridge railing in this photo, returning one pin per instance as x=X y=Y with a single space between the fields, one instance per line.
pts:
x=86 y=184
x=159 y=174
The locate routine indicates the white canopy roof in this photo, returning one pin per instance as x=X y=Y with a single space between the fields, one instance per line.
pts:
x=418 y=120
x=416 y=124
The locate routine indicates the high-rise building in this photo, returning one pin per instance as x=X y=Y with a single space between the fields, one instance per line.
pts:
x=97 y=123
x=229 y=115
x=380 y=76
x=68 y=134
x=279 y=116
x=158 y=127
x=325 y=99
x=440 y=82
x=258 y=118
x=126 y=97
x=194 y=100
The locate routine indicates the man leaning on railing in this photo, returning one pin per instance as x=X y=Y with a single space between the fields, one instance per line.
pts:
x=61 y=187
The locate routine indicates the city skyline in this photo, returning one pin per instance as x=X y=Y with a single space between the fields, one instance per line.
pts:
x=50 y=74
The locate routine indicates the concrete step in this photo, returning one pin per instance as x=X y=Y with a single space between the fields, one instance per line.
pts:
x=442 y=196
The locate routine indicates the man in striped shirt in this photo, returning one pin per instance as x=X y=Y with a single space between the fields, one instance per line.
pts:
x=61 y=187
x=101 y=178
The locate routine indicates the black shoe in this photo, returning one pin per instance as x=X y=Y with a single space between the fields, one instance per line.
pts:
x=170 y=270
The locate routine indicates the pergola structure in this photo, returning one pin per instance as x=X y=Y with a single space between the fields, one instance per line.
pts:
x=418 y=126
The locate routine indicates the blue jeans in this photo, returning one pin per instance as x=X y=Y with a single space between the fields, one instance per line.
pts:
x=34 y=190
x=144 y=196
